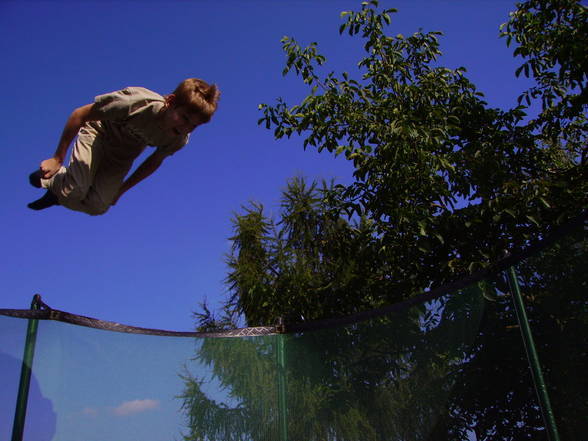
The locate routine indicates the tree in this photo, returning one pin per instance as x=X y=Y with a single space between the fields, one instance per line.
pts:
x=443 y=185
x=310 y=264
x=448 y=182
x=346 y=383
x=552 y=36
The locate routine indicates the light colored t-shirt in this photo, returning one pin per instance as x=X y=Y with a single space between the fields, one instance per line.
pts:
x=131 y=119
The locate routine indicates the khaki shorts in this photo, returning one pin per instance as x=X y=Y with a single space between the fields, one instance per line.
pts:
x=91 y=180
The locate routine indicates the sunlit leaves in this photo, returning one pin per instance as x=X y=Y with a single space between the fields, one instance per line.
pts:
x=440 y=172
x=551 y=36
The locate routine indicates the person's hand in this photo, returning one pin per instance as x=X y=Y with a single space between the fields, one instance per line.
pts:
x=49 y=167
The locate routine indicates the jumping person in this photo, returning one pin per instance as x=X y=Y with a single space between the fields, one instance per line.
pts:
x=111 y=133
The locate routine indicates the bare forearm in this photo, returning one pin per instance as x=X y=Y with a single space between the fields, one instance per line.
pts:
x=75 y=121
x=69 y=132
x=144 y=170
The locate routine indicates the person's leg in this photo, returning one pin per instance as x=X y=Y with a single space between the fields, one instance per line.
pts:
x=45 y=201
x=71 y=184
x=35 y=179
x=89 y=183
x=105 y=188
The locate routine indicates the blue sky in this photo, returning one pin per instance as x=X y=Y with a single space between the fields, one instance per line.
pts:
x=156 y=255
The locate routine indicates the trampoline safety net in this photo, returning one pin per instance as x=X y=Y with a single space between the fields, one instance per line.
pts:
x=449 y=368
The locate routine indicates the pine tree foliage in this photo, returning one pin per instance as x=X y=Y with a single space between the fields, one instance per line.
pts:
x=312 y=263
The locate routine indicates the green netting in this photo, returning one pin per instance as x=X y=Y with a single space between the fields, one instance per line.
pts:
x=380 y=379
x=12 y=337
x=384 y=379
x=555 y=286
x=452 y=368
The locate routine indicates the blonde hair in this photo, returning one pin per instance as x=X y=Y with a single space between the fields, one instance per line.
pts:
x=198 y=96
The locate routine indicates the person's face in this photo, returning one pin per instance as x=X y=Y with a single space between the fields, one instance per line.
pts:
x=179 y=120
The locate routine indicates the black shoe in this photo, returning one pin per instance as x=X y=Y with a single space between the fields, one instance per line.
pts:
x=35 y=178
x=48 y=200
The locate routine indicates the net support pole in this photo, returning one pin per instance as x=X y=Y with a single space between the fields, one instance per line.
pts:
x=282 y=402
x=533 y=357
x=25 y=374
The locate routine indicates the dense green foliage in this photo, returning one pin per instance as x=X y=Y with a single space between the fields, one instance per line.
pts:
x=444 y=184
x=552 y=37
x=310 y=264
x=448 y=182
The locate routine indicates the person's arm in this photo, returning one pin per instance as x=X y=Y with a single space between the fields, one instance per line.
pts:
x=144 y=170
x=75 y=121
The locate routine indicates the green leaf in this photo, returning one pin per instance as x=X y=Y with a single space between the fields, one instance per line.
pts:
x=532 y=219
x=422 y=230
x=439 y=238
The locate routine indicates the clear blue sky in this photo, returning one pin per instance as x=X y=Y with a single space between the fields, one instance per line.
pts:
x=159 y=252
